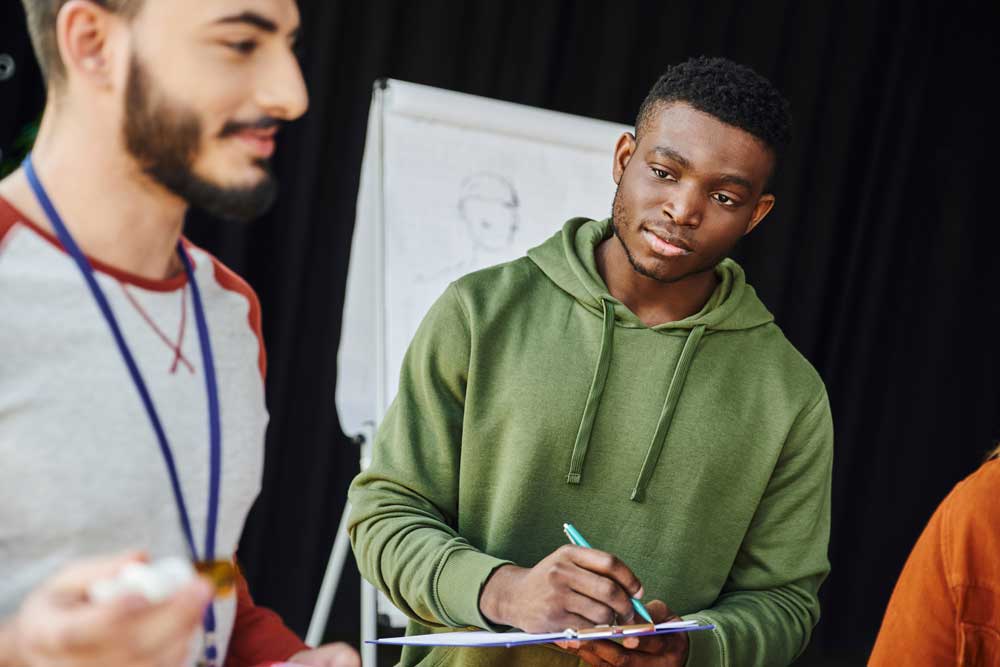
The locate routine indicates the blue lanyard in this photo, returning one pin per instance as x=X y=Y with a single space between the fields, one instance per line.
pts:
x=215 y=434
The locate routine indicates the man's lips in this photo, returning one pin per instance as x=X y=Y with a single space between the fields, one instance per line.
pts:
x=260 y=141
x=667 y=246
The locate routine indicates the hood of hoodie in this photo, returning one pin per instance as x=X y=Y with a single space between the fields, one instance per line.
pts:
x=567 y=258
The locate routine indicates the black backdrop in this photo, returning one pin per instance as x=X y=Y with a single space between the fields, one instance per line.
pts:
x=878 y=260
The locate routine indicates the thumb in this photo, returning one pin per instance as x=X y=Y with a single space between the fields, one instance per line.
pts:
x=659 y=610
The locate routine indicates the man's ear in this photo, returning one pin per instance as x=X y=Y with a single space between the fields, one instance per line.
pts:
x=82 y=31
x=624 y=150
x=760 y=211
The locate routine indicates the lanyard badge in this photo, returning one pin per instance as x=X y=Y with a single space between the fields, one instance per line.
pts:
x=220 y=572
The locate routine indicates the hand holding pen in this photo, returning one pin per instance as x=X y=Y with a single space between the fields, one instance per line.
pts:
x=576 y=538
x=573 y=587
x=653 y=651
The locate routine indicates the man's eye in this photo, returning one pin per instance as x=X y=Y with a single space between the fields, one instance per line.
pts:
x=724 y=199
x=660 y=173
x=247 y=47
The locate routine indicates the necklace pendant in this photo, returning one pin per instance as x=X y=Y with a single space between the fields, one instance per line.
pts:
x=222 y=574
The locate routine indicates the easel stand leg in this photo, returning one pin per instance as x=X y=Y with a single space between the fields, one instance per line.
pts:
x=331 y=579
x=369 y=624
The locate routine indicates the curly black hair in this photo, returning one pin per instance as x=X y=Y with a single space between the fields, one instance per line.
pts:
x=733 y=93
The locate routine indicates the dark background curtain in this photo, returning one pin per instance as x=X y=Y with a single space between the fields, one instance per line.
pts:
x=878 y=260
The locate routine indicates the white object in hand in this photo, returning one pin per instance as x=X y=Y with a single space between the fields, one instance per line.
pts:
x=154 y=581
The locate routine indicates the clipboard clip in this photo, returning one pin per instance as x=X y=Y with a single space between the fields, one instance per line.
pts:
x=609 y=631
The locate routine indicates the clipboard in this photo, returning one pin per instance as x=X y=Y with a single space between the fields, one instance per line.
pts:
x=486 y=639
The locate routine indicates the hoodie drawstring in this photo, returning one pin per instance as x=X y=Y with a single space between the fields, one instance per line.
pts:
x=594 y=397
x=667 y=415
x=597 y=390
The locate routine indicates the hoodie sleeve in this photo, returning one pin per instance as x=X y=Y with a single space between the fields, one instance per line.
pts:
x=404 y=507
x=769 y=605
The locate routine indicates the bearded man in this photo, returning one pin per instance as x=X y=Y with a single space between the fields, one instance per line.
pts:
x=132 y=410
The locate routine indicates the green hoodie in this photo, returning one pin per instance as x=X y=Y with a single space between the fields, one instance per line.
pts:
x=697 y=451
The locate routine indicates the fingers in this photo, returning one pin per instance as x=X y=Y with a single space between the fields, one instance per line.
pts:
x=128 y=627
x=177 y=656
x=672 y=645
x=582 y=651
x=58 y=625
x=162 y=627
x=85 y=627
x=659 y=611
x=348 y=660
x=607 y=565
x=658 y=644
x=607 y=598
x=345 y=656
x=589 y=654
x=605 y=580
x=660 y=650
x=619 y=656
x=576 y=621
x=571 y=587
x=655 y=644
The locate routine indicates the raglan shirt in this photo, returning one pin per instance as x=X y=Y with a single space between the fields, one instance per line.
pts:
x=81 y=473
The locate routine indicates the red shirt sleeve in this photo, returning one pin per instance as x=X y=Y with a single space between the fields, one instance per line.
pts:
x=259 y=635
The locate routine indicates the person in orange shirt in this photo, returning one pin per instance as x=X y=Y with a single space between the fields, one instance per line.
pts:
x=945 y=609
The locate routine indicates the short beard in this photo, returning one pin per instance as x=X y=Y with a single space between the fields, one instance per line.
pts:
x=165 y=141
x=618 y=213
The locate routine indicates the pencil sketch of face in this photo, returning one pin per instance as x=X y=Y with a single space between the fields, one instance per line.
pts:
x=489 y=206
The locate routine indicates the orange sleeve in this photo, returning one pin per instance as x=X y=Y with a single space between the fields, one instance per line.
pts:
x=945 y=609
x=259 y=635
x=919 y=625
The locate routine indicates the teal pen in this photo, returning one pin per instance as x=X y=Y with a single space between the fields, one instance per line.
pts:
x=576 y=538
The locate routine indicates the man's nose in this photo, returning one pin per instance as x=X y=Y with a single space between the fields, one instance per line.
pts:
x=683 y=205
x=282 y=90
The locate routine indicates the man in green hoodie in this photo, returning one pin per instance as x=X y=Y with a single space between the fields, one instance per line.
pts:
x=622 y=377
